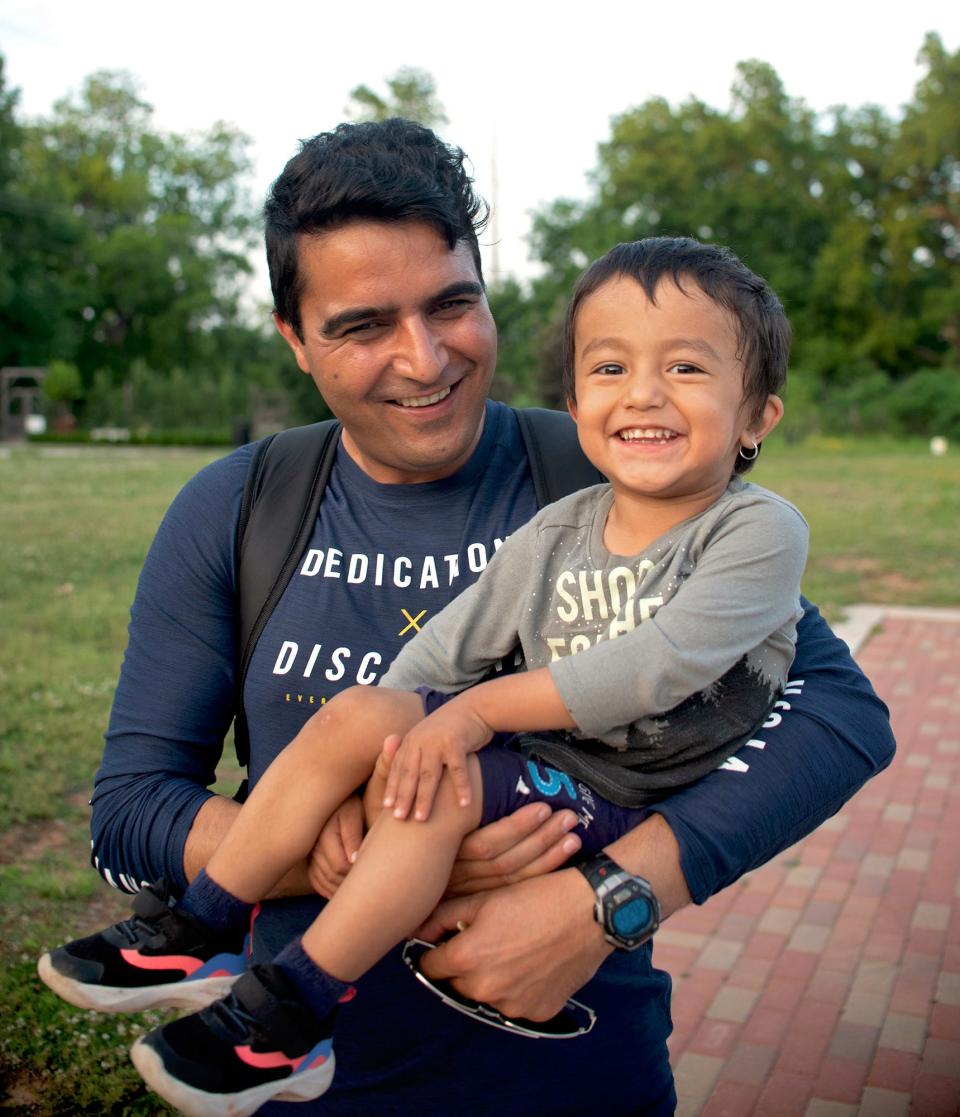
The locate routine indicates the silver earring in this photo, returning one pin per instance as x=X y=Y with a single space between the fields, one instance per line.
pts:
x=752 y=456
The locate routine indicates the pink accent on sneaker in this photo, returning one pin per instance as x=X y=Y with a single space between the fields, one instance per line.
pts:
x=253 y=915
x=267 y=1060
x=161 y=962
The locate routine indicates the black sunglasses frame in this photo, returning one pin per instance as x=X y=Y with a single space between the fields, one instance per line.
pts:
x=575 y=1019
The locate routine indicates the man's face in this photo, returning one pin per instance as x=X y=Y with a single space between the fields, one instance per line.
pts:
x=399 y=339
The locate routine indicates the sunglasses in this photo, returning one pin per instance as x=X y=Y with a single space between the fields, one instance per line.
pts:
x=574 y=1019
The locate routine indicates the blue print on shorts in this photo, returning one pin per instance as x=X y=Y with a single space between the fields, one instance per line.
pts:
x=552 y=783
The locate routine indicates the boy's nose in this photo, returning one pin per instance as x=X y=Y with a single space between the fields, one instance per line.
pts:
x=643 y=388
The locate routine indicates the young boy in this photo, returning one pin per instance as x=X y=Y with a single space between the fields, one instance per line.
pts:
x=656 y=619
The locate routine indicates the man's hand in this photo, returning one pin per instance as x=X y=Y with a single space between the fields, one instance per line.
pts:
x=441 y=741
x=525 y=948
x=528 y=843
x=330 y=859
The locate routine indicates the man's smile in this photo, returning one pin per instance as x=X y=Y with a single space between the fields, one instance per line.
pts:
x=425 y=401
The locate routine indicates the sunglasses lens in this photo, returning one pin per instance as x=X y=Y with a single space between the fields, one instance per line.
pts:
x=573 y=1020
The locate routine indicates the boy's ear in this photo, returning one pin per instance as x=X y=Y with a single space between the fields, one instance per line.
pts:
x=771 y=414
x=572 y=408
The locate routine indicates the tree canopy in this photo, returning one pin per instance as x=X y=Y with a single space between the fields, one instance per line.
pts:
x=124 y=249
x=411 y=92
x=852 y=216
x=120 y=242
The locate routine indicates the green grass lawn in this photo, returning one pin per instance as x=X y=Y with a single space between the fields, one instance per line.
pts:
x=75 y=524
x=884 y=519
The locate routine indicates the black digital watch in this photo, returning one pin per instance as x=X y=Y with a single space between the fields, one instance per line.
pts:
x=625 y=907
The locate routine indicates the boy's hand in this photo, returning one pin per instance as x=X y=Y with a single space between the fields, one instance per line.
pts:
x=443 y=740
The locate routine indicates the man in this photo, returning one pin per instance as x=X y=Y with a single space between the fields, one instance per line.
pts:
x=371 y=240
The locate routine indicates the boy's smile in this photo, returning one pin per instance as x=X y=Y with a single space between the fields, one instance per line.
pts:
x=659 y=397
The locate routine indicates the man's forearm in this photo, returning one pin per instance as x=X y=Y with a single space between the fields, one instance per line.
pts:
x=210 y=827
x=651 y=851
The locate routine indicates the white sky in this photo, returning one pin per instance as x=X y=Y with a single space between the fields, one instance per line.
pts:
x=540 y=81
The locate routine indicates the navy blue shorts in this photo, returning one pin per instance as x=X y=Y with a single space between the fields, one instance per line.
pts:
x=510 y=780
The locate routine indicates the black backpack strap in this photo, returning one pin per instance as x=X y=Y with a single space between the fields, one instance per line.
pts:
x=557 y=464
x=281 y=498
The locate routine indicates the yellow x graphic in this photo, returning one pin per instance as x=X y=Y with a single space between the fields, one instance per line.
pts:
x=412 y=620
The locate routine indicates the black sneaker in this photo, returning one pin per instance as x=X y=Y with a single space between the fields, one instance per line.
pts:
x=159 y=958
x=259 y=1043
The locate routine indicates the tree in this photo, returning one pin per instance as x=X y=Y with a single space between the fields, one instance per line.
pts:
x=926 y=168
x=132 y=242
x=852 y=216
x=412 y=93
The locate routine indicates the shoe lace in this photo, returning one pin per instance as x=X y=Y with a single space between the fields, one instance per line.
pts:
x=234 y=1020
x=136 y=929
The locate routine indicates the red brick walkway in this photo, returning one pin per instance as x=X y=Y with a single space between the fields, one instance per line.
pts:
x=827 y=983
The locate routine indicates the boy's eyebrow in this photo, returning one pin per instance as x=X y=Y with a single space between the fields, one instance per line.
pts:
x=698 y=343
x=336 y=322
x=601 y=343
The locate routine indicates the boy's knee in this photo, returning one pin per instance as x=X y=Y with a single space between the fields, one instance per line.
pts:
x=342 y=706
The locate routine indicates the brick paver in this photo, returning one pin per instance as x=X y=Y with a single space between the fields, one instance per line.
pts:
x=827 y=983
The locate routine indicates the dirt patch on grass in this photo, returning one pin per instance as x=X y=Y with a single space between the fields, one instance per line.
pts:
x=879 y=582
x=31 y=840
x=21 y=1092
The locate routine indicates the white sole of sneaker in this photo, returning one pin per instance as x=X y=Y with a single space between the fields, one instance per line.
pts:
x=108 y=998
x=305 y=1086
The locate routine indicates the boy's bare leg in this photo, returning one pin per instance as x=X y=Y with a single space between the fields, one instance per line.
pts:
x=330 y=758
x=397 y=881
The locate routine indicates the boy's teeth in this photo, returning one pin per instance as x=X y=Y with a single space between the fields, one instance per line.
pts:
x=424 y=401
x=637 y=434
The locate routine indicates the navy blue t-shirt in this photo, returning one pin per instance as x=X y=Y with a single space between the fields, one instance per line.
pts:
x=375 y=571
x=382 y=560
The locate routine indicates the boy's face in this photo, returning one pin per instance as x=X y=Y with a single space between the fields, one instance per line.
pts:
x=660 y=407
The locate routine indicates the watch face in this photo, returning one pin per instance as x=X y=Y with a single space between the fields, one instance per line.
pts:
x=632 y=917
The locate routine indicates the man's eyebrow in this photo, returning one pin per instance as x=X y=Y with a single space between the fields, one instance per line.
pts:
x=452 y=290
x=335 y=323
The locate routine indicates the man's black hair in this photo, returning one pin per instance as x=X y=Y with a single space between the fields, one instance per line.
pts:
x=763 y=331
x=394 y=170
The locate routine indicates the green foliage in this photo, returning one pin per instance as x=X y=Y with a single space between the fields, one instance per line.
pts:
x=150 y=401
x=121 y=242
x=927 y=403
x=62 y=383
x=411 y=93
x=852 y=216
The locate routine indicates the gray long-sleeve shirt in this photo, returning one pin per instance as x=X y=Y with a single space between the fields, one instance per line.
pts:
x=667 y=660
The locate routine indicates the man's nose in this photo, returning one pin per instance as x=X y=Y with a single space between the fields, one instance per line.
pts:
x=420 y=352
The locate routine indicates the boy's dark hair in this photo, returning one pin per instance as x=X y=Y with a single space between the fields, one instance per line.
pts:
x=393 y=170
x=763 y=332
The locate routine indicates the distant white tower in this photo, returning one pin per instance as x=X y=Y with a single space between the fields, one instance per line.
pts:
x=495 y=272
